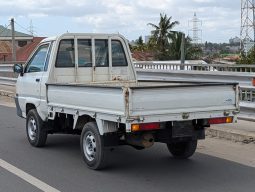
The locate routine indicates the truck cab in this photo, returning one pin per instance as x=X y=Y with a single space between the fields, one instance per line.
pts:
x=73 y=58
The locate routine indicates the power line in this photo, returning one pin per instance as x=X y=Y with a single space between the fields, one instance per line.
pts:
x=22 y=27
x=5 y=29
x=30 y=30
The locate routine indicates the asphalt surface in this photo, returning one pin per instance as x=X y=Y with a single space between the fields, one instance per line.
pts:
x=60 y=165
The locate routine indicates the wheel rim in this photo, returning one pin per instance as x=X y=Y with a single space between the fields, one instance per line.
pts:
x=32 y=128
x=89 y=146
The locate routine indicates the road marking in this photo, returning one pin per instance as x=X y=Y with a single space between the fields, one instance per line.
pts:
x=27 y=177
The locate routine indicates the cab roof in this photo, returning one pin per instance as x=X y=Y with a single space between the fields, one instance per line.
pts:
x=100 y=35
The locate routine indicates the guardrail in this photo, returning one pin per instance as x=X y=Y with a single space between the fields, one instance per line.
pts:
x=8 y=81
x=6 y=67
x=244 y=79
x=244 y=74
x=7 y=75
x=192 y=72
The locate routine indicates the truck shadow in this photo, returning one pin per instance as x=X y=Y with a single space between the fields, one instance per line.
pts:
x=152 y=169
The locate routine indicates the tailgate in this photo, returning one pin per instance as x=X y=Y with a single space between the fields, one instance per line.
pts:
x=182 y=99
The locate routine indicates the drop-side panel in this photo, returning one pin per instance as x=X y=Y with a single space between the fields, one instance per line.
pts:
x=94 y=99
x=187 y=99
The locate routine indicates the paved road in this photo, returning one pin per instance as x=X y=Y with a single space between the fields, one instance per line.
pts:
x=60 y=166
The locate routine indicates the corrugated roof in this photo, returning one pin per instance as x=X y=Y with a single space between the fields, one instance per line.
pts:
x=5 y=32
x=5 y=47
x=143 y=55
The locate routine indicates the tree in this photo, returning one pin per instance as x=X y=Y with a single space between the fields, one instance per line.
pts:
x=139 y=41
x=191 y=51
x=160 y=34
x=249 y=59
x=139 y=45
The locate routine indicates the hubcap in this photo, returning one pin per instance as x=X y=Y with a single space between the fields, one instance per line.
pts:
x=89 y=146
x=32 y=129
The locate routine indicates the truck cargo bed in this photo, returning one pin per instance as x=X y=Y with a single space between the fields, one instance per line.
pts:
x=148 y=100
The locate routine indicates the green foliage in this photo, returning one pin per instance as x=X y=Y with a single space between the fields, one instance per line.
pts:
x=160 y=35
x=249 y=59
x=140 y=45
x=167 y=43
x=139 y=41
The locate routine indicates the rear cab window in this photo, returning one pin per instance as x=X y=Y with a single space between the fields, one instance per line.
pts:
x=84 y=53
x=101 y=53
x=65 y=55
x=118 y=54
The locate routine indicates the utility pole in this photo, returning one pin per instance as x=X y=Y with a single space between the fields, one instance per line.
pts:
x=183 y=52
x=13 y=41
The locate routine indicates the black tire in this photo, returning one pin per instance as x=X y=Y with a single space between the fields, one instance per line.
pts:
x=95 y=157
x=36 y=133
x=182 y=150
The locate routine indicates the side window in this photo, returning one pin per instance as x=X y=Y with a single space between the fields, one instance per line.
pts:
x=84 y=53
x=118 y=54
x=65 y=55
x=47 y=58
x=101 y=51
x=36 y=63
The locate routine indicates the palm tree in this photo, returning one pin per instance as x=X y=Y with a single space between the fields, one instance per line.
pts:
x=191 y=51
x=162 y=31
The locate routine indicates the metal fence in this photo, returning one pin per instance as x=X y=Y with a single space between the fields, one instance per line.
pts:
x=165 y=65
x=247 y=93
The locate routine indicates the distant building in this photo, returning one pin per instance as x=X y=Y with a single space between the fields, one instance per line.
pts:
x=21 y=39
x=23 y=53
x=147 y=38
x=234 y=40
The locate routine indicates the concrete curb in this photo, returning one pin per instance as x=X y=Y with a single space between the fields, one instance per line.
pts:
x=7 y=93
x=232 y=135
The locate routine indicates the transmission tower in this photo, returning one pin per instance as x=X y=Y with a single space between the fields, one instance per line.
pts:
x=247 y=25
x=196 y=30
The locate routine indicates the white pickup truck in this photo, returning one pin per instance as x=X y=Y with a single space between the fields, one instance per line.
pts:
x=86 y=84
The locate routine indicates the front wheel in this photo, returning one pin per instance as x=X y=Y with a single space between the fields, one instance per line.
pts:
x=182 y=150
x=92 y=147
x=36 y=133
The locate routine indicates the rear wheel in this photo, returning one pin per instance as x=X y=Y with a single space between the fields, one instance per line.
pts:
x=183 y=150
x=93 y=150
x=36 y=133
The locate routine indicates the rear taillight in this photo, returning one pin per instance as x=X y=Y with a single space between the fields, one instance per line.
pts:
x=145 y=127
x=253 y=81
x=220 y=120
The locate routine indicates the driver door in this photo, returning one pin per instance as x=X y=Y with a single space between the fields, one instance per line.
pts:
x=29 y=85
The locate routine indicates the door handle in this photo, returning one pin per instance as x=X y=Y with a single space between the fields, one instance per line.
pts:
x=37 y=80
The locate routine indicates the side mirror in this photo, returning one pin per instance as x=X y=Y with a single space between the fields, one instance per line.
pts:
x=18 y=68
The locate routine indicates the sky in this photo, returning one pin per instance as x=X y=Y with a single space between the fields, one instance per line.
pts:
x=220 y=18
